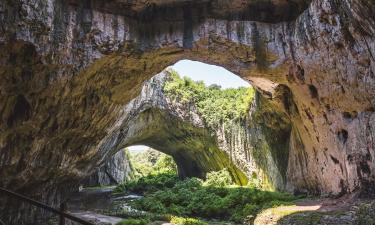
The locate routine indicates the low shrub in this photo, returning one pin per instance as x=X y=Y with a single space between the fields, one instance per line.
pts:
x=219 y=178
x=133 y=222
x=150 y=162
x=186 y=221
x=213 y=198
x=149 y=183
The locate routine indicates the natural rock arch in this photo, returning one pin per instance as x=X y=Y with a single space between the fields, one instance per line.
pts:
x=95 y=98
x=175 y=129
x=194 y=150
x=248 y=147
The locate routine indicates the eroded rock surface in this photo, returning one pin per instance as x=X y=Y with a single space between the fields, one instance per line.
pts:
x=173 y=128
x=243 y=146
x=115 y=170
x=68 y=68
x=251 y=148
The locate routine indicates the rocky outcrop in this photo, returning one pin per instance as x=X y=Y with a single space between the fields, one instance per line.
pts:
x=68 y=69
x=115 y=170
x=173 y=128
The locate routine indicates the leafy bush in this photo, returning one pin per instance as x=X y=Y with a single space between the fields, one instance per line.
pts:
x=165 y=163
x=133 y=222
x=149 y=183
x=150 y=162
x=213 y=103
x=186 y=221
x=219 y=178
x=167 y=194
x=125 y=213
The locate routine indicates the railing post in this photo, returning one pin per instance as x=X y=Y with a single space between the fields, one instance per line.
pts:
x=62 y=209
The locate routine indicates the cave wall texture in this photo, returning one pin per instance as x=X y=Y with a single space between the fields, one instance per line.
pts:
x=176 y=128
x=69 y=68
x=116 y=169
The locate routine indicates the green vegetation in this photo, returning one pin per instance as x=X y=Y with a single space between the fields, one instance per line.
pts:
x=195 y=201
x=215 y=198
x=151 y=162
x=213 y=103
x=220 y=178
x=173 y=219
x=149 y=183
x=133 y=222
x=366 y=214
x=186 y=221
x=152 y=170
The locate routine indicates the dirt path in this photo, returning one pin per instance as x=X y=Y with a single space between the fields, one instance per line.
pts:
x=92 y=204
x=96 y=218
x=342 y=211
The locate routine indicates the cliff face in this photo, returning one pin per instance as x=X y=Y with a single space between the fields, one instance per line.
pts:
x=115 y=170
x=68 y=69
x=173 y=128
x=177 y=128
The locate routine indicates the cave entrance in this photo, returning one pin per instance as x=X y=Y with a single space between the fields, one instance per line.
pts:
x=200 y=115
x=181 y=112
x=146 y=161
x=209 y=74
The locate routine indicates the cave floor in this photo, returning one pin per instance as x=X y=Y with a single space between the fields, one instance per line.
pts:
x=96 y=204
x=346 y=210
x=96 y=217
x=99 y=204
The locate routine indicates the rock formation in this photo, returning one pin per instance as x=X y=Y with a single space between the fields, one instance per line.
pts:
x=68 y=69
x=115 y=170
x=173 y=128
x=177 y=128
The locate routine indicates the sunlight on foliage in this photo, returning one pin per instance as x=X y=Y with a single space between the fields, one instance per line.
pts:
x=187 y=221
x=215 y=198
x=149 y=183
x=219 y=178
x=151 y=162
x=214 y=104
x=133 y=222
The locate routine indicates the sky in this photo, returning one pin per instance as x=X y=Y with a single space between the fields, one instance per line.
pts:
x=137 y=148
x=210 y=74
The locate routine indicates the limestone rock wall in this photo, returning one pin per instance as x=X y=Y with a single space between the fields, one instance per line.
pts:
x=176 y=128
x=259 y=150
x=116 y=170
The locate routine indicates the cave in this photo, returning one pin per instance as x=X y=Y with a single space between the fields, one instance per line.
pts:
x=71 y=69
x=178 y=129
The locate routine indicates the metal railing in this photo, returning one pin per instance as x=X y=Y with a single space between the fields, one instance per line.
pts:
x=61 y=212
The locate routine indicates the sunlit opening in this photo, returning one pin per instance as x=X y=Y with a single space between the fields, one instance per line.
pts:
x=209 y=74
